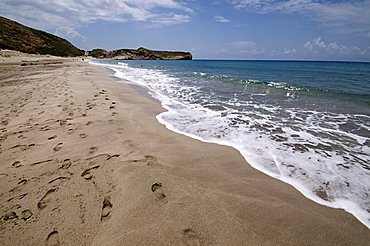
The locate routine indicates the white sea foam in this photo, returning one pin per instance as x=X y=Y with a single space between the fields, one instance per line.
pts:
x=306 y=149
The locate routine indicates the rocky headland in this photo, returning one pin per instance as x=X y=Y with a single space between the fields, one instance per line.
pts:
x=140 y=54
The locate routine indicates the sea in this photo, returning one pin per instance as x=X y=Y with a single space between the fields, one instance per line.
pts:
x=306 y=123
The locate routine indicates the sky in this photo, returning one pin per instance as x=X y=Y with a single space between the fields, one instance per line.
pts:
x=215 y=29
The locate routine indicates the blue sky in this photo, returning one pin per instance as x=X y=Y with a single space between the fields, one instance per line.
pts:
x=219 y=29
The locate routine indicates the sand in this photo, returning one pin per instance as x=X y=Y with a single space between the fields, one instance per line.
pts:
x=83 y=161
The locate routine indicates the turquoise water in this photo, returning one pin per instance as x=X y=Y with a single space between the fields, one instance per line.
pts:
x=305 y=123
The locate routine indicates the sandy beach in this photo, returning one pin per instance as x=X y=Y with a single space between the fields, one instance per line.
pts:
x=83 y=161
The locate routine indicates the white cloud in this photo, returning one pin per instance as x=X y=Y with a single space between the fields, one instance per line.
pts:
x=243 y=44
x=170 y=20
x=343 y=16
x=239 y=50
x=68 y=31
x=247 y=4
x=320 y=48
x=288 y=51
x=245 y=49
x=319 y=43
x=222 y=19
x=308 y=45
x=254 y=52
x=61 y=15
x=150 y=4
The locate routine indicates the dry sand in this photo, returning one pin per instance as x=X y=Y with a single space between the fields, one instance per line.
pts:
x=83 y=161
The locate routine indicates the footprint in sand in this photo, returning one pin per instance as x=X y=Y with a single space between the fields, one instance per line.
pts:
x=66 y=163
x=83 y=135
x=5 y=122
x=19 y=197
x=112 y=156
x=86 y=174
x=52 y=137
x=53 y=239
x=100 y=159
x=147 y=160
x=17 y=164
x=3 y=175
x=59 y=179
x=2 y=138
x=26 y=214
x=45 y=128
x=22 y=181
x=58 y=147
x=158 y=192
x=9 y=216
x=93 y=149
x=107 y=207
x=150 y=160
x=111 y=107
x=62 y=122
x=41 y=162
x=19 y=186
x=46 y=199
x=22 y=146
x=192 y=238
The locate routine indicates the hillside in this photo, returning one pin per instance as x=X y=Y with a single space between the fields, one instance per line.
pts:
x=15 y=36
x=140 y=54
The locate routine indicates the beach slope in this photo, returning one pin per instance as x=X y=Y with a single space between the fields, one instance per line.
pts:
x=83 y=161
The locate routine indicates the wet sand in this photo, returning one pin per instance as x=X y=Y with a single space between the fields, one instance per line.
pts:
x=83 y=161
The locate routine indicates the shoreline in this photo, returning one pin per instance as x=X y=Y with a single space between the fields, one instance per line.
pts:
x=314 y=195
x=114 y=175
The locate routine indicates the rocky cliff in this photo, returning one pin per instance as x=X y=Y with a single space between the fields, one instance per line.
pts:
x=140 y=54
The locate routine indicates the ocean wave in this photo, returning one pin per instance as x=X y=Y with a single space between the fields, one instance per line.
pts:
x=285 y=88
x=311 y=149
